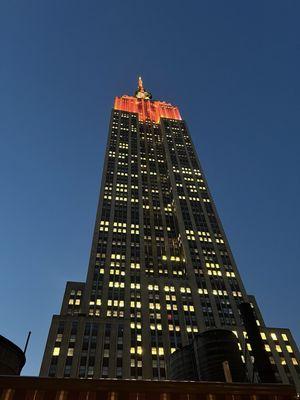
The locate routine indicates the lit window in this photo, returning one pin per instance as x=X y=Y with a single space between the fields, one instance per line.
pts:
x=59 y=337
x=56 y=351
x=263 y=335
x=273 y=336
x=289 y=349
x=284 y=337
x=161 y=351
x=267 y=347
x=70 y=352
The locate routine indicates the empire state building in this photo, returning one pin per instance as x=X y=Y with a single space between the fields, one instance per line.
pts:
x=160 y=270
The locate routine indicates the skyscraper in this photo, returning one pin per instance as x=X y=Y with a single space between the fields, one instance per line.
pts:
x=161 y=269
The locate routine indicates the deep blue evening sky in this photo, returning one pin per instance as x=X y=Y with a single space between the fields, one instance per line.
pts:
x=232 y=67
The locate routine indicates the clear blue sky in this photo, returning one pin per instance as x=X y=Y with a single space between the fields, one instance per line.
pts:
x=232 y=67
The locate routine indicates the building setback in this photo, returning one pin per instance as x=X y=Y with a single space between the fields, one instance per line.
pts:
x=161 y=269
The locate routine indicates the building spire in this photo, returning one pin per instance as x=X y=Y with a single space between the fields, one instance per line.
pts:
x=141 y=93
x=140 y=84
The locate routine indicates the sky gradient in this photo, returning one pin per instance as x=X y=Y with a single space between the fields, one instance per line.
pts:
x=232 y=68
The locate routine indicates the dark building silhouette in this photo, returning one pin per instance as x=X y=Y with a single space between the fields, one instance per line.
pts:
x=261 y=363
x=12 y=358
x=204 y=358
x=161 y=269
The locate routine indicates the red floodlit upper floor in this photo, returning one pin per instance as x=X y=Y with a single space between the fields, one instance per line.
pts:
x=146 y=108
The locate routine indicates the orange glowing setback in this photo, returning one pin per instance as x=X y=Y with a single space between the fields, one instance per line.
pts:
x=146 y=109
